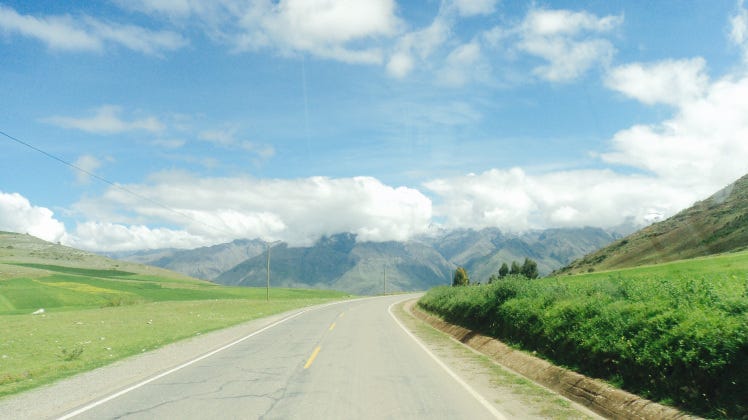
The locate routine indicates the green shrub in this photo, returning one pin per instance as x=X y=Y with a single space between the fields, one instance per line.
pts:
x=679 y=338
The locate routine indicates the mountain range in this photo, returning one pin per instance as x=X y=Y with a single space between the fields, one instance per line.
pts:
x=342 y=262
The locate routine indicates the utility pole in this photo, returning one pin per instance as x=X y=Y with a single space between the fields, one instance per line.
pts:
x=267 y=290
x=385 y=280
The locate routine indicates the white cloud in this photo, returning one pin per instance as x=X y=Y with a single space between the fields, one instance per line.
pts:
x=89 y=164
x=465 y=64
x=136 y=38
x=680 y=160
x=568 y=41
x=418 y=46
x=67 y=33
x=549 y=23
x=400 y=64
x=18 y=215
x=103 y=236
x=739 y=28
x=475 y=7
x=325 y=28
x=703 y=145
x=515 y=201
x=670 y=82
x=226 y=137
x=334 y=29
x=58 y=32
x=107 y=120
x=220 y=209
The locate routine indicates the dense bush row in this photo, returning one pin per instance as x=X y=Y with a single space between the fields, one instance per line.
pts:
x=678 y=339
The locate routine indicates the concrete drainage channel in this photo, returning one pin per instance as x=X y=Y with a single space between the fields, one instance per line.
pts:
x=596 y=395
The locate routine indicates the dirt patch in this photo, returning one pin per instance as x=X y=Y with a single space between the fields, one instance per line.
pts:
x=598 y=396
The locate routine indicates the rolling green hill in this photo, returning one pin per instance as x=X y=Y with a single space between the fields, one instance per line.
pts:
x=716 y=225
x=64 y=311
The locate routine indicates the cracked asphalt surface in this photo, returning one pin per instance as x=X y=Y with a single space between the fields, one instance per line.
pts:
x=366 y=367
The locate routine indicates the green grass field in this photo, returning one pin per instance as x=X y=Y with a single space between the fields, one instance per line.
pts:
x=676 y=332
x=96 y=316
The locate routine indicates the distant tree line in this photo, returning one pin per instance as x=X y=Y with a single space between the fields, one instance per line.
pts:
x=528 y=269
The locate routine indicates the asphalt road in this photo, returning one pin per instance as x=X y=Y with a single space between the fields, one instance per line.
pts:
x=343 y=361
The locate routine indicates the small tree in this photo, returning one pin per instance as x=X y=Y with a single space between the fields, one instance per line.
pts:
x=503 y=271
x=460 y=278
x=516 y=269
x=530 y=269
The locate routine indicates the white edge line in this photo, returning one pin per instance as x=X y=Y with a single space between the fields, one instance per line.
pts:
x=97 y=403
x=451 y=373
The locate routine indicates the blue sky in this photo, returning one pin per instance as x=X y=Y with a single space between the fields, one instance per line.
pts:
x=293 y=119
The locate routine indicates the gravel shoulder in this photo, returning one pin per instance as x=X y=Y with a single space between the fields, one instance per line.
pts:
x=510 y=393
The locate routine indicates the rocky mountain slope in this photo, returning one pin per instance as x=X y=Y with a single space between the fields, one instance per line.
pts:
x=341 y=262
x=715 y=225
x=203 y=263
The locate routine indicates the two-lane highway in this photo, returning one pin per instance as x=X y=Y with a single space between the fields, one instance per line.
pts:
x=346 y=360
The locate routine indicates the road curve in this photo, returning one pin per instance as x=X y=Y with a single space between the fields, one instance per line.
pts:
x=347 y=360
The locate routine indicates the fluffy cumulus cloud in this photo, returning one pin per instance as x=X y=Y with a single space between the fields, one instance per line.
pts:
x=670 y=82
x=570 y=42
x=515 y=201
x=105 y=236
x=701 y=148
x=87 y=34
x=703 y=144
x=334 y=29
x=205 y=210
x=18 y=215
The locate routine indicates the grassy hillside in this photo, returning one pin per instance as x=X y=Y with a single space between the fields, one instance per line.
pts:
x=676 y=332
x=717 y=224
x=98 y=310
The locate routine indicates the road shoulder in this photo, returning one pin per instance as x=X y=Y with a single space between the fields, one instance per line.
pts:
x=593 y=394
x=510 y=393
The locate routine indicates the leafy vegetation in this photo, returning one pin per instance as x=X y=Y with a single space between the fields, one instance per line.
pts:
x=675 y=332
x=529 y=270
x=461 y=277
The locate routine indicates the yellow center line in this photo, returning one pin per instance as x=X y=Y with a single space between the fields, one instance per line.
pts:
x=341 y=314
x=312 y=357
x=332 y=326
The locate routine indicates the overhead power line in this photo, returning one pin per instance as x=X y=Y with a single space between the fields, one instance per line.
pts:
x=113 y=184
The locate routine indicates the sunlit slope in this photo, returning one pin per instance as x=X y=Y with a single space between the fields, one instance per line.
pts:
x=98 y=310
x=23 y=251
x=35 y=274
x=715 y=225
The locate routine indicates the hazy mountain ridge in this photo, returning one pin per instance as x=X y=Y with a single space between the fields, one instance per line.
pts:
x=203 y=263
x=341 y=262
x=715 y=225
